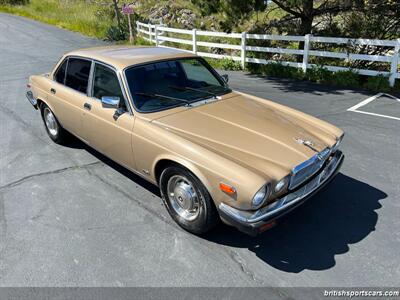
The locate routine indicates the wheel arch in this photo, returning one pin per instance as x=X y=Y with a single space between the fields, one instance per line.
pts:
x=163 y=162
x=40 y=102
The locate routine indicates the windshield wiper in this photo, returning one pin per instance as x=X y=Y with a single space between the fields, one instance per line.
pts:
x=158 y=96
x=187 y=88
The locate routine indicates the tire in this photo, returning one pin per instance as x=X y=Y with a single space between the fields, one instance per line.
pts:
x=53 y=128
x=195 y=210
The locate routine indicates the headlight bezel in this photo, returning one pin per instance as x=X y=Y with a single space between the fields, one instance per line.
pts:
x=284 y=182
x=267 y=188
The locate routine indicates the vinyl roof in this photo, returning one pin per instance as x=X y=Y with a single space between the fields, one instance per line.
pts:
x=123 y=56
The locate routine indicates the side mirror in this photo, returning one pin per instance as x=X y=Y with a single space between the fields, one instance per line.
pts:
x=225 y=77
x=110 y=102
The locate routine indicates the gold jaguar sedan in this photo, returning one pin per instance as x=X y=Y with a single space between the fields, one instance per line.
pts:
x=168 y=116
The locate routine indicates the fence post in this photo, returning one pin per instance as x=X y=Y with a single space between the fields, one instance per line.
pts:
x=137 y=28
x=305 y=52
x=150 y=32
x=156 y=35
x=393 y=65
x=243 y=53
x=194 y=40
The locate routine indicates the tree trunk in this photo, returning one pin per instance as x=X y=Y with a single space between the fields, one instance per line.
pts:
x=305 y=28
x=116 y=10
x=306 y=22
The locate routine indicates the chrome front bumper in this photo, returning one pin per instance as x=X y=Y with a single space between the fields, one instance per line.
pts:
x=251 y=221
x=31 y=99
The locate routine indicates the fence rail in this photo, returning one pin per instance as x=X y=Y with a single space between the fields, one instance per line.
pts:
x=157 y=34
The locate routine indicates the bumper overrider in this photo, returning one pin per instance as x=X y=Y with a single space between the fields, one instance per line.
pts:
x=31 y=99
x=254 y=222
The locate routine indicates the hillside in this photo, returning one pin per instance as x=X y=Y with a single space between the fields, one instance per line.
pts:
x=95 y=17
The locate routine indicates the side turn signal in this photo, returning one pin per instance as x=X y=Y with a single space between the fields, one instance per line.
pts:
x=227 y=188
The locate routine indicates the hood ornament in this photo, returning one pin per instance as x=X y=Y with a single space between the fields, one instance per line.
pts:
x=308 y=143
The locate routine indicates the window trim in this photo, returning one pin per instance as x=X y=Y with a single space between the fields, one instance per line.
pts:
x=113 y=69
x=207 y=65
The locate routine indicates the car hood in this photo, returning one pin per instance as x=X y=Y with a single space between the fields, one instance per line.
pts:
x=256 y=133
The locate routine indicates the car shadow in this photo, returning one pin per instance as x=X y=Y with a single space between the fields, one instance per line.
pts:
x=343 y=213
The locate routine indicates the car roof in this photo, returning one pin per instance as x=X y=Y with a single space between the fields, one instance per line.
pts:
x=124 y=56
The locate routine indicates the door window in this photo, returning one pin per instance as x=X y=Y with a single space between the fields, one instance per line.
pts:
x=106 y=83
x=78 y=74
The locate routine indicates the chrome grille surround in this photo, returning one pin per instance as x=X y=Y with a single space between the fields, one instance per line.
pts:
x=306 y=169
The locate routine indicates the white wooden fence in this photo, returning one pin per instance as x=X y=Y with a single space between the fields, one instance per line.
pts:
x=156 y=34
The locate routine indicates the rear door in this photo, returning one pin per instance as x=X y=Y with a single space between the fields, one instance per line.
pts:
x=69 y=92
x=106 y=131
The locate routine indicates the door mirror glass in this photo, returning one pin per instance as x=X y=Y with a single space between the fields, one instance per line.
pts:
x=225 y=77
x=110 y=102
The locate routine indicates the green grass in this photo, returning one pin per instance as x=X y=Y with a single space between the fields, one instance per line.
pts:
x=74 y=15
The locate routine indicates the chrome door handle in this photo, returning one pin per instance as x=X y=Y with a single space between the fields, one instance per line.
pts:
x=53 y=91
x=87 y=106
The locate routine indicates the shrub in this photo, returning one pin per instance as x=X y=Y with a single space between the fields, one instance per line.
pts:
x=14 y=2
x=140 y=41
x=115 y=33
x=318 y=74
x=276 y=69
x=298 y=73
x=378 y=84
x=254 y=68
x=346 y=78
x=230 y=64
x=396 y=87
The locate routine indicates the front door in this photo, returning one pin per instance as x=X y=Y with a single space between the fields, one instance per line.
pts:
x=106 y=131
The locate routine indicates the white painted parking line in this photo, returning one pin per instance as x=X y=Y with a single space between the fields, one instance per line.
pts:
x=356 y=107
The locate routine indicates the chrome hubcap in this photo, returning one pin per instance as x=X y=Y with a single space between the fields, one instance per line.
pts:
x=183 y=197
x=50 y=121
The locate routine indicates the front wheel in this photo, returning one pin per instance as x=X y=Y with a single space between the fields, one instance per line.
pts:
x=187 y=200
x=53 y=127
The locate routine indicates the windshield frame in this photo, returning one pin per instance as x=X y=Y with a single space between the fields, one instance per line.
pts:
x=204 y=63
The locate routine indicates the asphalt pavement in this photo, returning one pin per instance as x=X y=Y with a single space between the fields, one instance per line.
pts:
x=71 y=217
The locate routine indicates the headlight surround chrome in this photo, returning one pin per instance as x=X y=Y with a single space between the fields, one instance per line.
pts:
x=281 y=184
x=337 y=144
x=261 y=196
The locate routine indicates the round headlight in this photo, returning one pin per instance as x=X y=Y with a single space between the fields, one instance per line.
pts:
x=280 y=185
x=260 y=196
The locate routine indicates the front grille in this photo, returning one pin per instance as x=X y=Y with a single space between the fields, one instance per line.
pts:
x=306 y=169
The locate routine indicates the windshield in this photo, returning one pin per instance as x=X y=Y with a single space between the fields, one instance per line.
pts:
x=167 y=84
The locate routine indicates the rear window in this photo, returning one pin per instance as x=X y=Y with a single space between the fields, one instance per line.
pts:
x=78 y=74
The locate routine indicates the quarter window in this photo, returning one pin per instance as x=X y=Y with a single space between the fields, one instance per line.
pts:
x=60 y=75
x=78 y=74
x=106 y=83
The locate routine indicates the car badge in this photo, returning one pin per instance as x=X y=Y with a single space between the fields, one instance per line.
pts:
x=307 y=143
